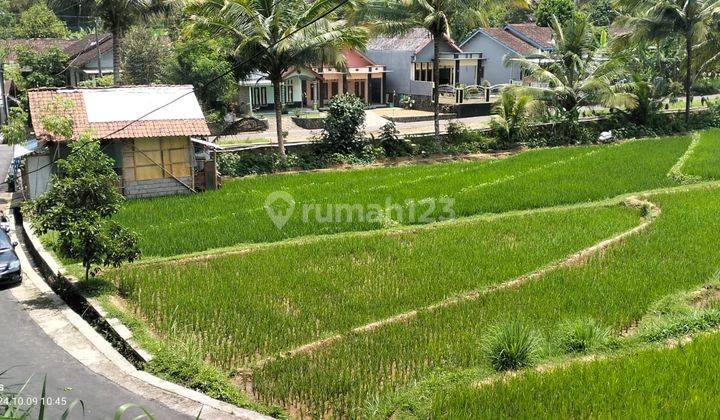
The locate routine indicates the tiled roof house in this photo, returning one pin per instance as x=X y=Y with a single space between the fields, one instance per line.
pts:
x=513 y=40
x=145 y=129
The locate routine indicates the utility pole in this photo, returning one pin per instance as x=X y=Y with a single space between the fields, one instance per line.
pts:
x=3 y=96
x=97 y=48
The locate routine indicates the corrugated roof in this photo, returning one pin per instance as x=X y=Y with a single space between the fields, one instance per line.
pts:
x=511 y=41
x=541 y=35
x=86 y=50
x=107 y=110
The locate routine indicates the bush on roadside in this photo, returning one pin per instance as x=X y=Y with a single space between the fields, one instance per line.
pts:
x=242 y=164
x=512 y=346
x=581 y=335
x=391 y=142
x=343 y=126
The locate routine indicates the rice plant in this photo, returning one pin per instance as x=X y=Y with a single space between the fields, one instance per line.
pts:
x=581 y=335
x=512 y=346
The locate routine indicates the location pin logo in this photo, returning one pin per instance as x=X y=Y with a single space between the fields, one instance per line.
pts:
x=279 y=205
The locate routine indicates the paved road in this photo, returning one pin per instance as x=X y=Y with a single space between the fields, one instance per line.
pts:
x=29 y=353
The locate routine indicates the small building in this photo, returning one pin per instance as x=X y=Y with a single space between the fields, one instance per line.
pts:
x=308 y=86
x=84 y=57
x=408 y=59
x=499 y=44
x=147 y=130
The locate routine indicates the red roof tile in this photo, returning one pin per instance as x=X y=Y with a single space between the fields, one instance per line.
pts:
x=40 y=98
x=511 y=41
x=542 y=35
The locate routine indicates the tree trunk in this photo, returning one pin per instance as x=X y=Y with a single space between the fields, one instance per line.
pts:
x=87 y=271
x=116 y=37
x=278 y=120
x=436 y=82
x=688 y=77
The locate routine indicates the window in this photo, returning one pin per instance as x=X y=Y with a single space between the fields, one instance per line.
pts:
x=150 y=156
x=259 y=96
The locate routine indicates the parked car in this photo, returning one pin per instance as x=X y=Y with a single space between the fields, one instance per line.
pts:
x=9 y=262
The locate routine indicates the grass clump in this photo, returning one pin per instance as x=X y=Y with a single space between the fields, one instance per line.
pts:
x=581 y=336
x=512 y=346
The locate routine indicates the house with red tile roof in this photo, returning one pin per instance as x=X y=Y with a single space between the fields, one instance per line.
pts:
x=315 y=85
x=510 y=41
x=147 y=130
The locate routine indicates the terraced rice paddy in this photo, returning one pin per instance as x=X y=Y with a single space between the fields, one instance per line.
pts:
x=667 y=383
x=246 y=307
x=540 y=178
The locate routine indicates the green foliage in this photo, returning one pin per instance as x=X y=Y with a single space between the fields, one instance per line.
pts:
x=600 y=12
x=56 y=119
x=104 y=81
x=83 y=195
x=143 y=55
x=39 y=21
x=48 y=67
x=513 y=109
x=512 y=346
x=7 y=21
x=343 y=126
x=391 y=142
x=546 y=9
x=707 y=86
x=242 y=164
x=198 y=61
x=16 y=131
x=581 y=336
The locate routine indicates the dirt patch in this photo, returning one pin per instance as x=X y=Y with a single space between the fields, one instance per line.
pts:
x=707 y=297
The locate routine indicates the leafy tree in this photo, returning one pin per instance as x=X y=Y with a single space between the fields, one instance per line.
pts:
x=688 y=20
x=83 y=196
x=7 y=20
x=400 y=16
x=16 y=130
x=546 y=9
x=279 y=35
x=601 y=12
x=118 y=16
x=513 y=109
x=143 y=56
x=574 y=75
x=40 y=22
x=200 y=60
x=343 y=125
x=48 y=67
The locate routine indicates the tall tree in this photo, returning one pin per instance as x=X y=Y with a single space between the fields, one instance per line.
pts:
x=686 y=20
x=118 y=16
x=40 y=22
x=279 y=35
x=574 y=75
x=396 y=17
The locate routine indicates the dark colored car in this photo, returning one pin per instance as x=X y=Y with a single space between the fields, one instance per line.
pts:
x=9 y=262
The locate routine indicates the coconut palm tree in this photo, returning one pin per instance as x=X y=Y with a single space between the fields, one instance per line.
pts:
x=118 y=16
x=686 y=20
x=279 y=35
x=574 y=73
x=513 y=109
x=394 y=17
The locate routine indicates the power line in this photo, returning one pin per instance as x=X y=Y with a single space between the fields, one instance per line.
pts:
x=206 y=85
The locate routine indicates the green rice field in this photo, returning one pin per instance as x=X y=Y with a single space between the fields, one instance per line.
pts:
x=259 y=301
x=235 y=214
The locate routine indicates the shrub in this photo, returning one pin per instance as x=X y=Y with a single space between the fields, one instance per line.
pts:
x=581 y=335
x=242 y=164
x=512 y=346
x=391 y=143
x=343 y=126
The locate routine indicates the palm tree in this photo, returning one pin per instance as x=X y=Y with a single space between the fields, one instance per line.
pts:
x=394 y=17
x=574 y=74
x=686 y=20
x=513 y=109
x=279 y=35
x=118 y=16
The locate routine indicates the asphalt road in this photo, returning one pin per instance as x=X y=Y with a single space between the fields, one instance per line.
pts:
x=29 y=353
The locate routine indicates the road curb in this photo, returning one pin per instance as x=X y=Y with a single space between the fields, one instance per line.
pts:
x=183 y=399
